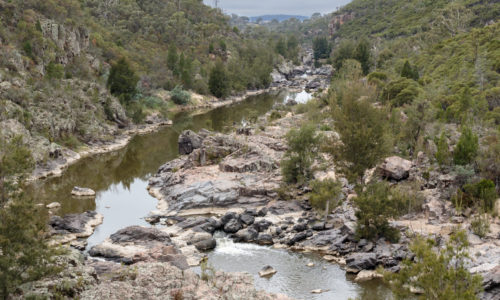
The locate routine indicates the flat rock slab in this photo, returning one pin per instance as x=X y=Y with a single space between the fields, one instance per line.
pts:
x=74 y=226
x=135 y=244
x=82 y=192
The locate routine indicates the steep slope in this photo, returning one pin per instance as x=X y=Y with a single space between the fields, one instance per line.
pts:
x=55 y=58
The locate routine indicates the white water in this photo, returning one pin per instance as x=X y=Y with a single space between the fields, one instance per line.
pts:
x=294 y=278
x=302 y=97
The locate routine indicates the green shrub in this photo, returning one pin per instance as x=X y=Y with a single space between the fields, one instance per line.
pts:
x=70 y=141
x=218 y=82
x=400 y=92
x=375 y=206
x=136 y=112
x=480 y=225
x=325 y=127
x=275 y=115
x=443 y=155
x=55 y=71
x=363 y=130
x=480 y=195
x=440 y=274
x=409 y=72
x=179 y=96
x=122 y=80
x=321 y=48
x=153 y=102
x=28 y=49
x=466 y=150
x=323 y=192
x=377 y=78
x=407 y=199
x=302 y=150
x=489 y=159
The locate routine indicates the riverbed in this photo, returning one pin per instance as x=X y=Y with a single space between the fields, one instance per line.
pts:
x=120 y=179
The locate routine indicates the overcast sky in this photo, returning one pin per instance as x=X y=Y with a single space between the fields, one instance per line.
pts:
x=252 y=8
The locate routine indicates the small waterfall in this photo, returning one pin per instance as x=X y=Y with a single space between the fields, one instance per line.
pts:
x=226 y=246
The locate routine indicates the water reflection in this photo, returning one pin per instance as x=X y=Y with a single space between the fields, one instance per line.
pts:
x=120 y=177
x=120 y=180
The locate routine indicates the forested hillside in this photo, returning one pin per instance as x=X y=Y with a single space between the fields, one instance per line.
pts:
x=441 y=58
x=416 y=87
x=56 y=58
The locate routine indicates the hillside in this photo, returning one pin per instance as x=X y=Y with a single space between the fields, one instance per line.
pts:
x=56 y=58
x=278 y=18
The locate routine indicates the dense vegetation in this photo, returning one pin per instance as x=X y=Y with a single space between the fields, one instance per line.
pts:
x=432 y=275
x=413 y=77
x=78 y=68
x=25 y=255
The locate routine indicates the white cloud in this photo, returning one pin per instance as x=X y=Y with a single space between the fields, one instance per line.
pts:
x=289 y=7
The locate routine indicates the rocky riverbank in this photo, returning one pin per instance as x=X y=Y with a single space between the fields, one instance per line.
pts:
x=285 y=76
x=235 y=179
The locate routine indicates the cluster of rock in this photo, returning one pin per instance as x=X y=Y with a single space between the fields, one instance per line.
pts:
x=306 y=75
x=83 y=278
x=221 y=171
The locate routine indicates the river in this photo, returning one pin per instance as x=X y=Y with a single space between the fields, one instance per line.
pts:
x=120 y=179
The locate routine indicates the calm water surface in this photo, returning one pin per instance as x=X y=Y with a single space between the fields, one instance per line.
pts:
x=120 y=179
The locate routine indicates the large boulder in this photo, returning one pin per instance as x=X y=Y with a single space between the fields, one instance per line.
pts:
x=141 y=244
x=206 y=245
x=395 y=168
x=265 y=239
x=232 y=226
x=246 y=235
x=361 y=261
x=297 y=238
x=74 y=226
x=188 y=141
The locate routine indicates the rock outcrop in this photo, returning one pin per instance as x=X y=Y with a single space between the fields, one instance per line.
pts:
x=135 y=244
x=395 y=168
x=70 y=228
x=221 y=171
x=164 y=281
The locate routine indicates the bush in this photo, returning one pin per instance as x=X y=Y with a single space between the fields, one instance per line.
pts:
x=438 y=275
x=26 y=254
x=122 y=80
x=325 y=127
x=363 y=131
x=323 y=192
x=489 y=160
x=443 y=155
x=275 y=115
x=466 y=150
x=375 y=206
x=218 y=82
x=480 y=225
x=135 y=112
x=302 y=150
x=179 y=96
x=321 y=48
x=480 y=195
x=409 y=72
x=407 y=199
x=400 y=92
x=55 y=71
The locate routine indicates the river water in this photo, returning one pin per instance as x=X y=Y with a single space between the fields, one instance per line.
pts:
x=120 y=179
